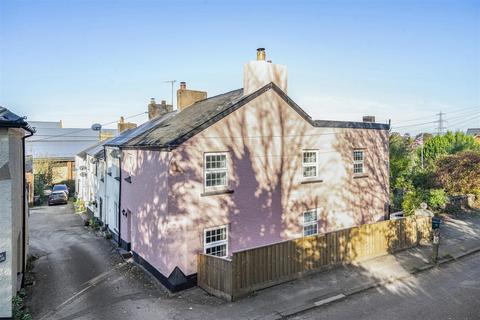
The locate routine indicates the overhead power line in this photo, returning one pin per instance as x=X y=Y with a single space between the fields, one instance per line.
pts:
x=85 y=129
x=464 y=121
x=457 y=111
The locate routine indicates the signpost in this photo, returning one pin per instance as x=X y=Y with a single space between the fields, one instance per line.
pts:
x=436 y=244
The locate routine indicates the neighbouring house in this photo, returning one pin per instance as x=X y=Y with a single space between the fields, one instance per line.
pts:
x=111 y=154
x=13 y=207
x=475 y=132
x=89 y=169
x=242 y=169
x=58 y=145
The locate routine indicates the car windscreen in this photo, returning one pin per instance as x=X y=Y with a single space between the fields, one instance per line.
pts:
x=55 y=188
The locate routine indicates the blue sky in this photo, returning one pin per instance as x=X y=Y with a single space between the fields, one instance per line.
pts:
x=92 y=61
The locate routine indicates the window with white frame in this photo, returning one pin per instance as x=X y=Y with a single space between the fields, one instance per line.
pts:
x=310 y=164
x=215 y=241
x=310 y=222
x=358 y=159
x=215 y=167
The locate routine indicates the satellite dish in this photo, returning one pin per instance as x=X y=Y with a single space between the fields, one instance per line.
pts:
x=96 y=127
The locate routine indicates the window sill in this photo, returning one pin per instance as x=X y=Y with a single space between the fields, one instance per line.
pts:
x=311 y=181
x=216 y=192
x=360 y=176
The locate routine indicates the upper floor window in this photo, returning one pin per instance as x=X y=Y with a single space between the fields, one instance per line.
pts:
x=310 y=222
x=216 y=171
x=310 y=164
x=358 y=162
x=215 y=241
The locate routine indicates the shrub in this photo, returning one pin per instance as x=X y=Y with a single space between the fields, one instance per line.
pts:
x=18 y=307
x=79 y=205
x=411 y=201
x=39 y=188
x=436 y=199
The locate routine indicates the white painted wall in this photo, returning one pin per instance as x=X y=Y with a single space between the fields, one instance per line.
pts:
x=112 y=188
x=11 y=211
x=101 y=192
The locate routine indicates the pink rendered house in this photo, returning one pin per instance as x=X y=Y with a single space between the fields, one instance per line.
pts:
x=244 y=169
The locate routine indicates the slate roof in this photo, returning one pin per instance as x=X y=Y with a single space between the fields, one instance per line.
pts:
x=11 y=120
x=169 y=132
x=126 y=136
x=175 y=128
x=95 y=150
x=473 y=131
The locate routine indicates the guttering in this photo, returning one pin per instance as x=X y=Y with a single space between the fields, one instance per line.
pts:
x=120 y=200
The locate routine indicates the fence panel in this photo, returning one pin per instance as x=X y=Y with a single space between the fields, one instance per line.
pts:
x=261 y=267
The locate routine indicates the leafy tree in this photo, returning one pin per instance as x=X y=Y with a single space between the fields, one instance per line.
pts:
x=44 y=169
x=449 y=143
x=401 y=160
x=400 y=166
x=460 y=173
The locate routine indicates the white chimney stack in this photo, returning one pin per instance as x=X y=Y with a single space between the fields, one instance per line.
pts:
x=258 y=73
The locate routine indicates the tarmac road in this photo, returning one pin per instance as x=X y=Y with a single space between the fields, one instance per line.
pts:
x=78 y=269
x=451 y=291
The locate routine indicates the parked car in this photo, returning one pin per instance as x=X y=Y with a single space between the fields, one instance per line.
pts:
x=57 y=197
x=61 y=187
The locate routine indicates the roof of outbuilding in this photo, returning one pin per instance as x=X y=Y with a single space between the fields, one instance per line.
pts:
x=10 y=119
x=173 y=129
x=473 y=131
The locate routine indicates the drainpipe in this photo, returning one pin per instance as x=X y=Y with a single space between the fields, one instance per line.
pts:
x=24 y=210
x=120 y=198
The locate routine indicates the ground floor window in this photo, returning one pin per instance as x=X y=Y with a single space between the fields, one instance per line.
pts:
x=310 y=222
x=215 y=241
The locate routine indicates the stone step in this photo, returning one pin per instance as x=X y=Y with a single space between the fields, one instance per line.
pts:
x=124 y=253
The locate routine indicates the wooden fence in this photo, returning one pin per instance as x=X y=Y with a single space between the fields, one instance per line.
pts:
x=262 y=267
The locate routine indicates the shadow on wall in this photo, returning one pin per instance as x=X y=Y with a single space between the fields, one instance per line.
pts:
x=366 y=195
x=262 y=140
x=258 y=139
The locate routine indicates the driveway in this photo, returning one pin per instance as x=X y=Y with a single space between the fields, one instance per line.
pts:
x=76 y=268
